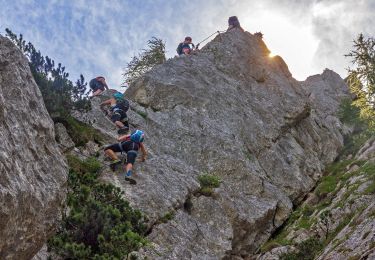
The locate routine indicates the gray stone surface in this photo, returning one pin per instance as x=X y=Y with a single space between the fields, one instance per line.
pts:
x=357 y=239
x=33 y=170
x=66 y=143
x=232 y=111
x=351 y=219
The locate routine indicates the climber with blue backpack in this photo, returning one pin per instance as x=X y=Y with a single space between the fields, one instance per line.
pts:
x=118 y=108
x=184 y=47
x=129 y=144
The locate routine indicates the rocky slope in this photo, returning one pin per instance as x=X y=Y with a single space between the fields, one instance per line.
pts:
x=233 y=112
x=33 y=171
x=339 y=215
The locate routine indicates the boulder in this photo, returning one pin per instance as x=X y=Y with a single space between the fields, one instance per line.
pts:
x=33 y=170
x=230 y=111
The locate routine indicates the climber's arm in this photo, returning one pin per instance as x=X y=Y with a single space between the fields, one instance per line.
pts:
x=123 y=138
x=105 y=103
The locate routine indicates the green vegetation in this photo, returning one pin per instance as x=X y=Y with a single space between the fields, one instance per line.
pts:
x=142 y=114
x=208 y=182
x=334 y=179
x=278 y=240
x=361 y=78
x=146 y=60
x=369 y=170
x=167 y=217
x=80 y=132
x=98 y=223
x=350 y=114
x=327 y=185
x=60 y=94
x=306 y=250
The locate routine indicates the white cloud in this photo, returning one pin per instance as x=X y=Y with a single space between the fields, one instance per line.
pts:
x=99 y=37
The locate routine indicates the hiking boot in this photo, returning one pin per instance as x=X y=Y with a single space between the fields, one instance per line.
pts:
x=114 y=164
x=131 y=181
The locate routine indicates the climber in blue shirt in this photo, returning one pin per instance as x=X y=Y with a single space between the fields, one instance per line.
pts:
x=129 y=144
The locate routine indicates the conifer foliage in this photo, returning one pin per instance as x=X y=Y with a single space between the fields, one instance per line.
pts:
x=60 y=94
x=146 y=60
x=362 y=77
x=97 y=223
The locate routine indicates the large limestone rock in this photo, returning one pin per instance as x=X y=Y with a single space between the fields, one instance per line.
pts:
x=344 y=220
x=231 y=111
x=33 y=171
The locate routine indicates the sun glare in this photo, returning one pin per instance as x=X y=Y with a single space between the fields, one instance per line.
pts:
x=271 y=55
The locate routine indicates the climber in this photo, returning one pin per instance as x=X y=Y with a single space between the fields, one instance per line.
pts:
x=129 y=144
x=184 y=47
x=234 y=23
x=118 y=108
x=98 y=85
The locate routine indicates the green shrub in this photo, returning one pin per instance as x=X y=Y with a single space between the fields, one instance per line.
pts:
x=369 y=170
x=208 y=182
x=167 y=217
x=327 y=185
x=60 y=94
x=80 y=132
x=142 y=114
x=99 y=223
x=307 y=211
x=350 y=114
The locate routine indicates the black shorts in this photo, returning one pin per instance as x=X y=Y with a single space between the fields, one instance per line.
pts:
x=119 y=115
x=95 y=85
x=128 y=147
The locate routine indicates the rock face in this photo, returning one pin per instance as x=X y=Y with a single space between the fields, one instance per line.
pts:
x=233 y=112
x=63 y=139
x=344 y=218
x=33 y=171
x=356 y=239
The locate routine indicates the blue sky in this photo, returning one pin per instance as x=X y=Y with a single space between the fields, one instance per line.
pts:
x=100 y=37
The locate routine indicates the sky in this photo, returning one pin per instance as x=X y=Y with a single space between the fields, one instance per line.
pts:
x=99 y=37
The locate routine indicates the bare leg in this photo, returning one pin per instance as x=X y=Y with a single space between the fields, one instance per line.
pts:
x=129 y=167
x=119 y=124
x=111 y=154
x=97 y=92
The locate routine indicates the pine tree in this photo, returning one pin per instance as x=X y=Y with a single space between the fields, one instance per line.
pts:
x=146 y=60
x=59 y=93
x=362 y=78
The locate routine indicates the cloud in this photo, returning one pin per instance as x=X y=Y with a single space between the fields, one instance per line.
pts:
x=336 y=25
x=100 y=37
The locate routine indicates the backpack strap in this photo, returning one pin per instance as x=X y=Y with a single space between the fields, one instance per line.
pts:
x=121 y=148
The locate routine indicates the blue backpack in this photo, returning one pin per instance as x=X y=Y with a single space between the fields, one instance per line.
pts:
x=121 y=102
x=137 y=136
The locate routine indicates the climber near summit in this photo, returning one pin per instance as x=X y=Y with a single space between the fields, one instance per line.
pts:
x=118 y=108
x=129 y=144
x=184 y=47
x=98 y=85
x=234 y=23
